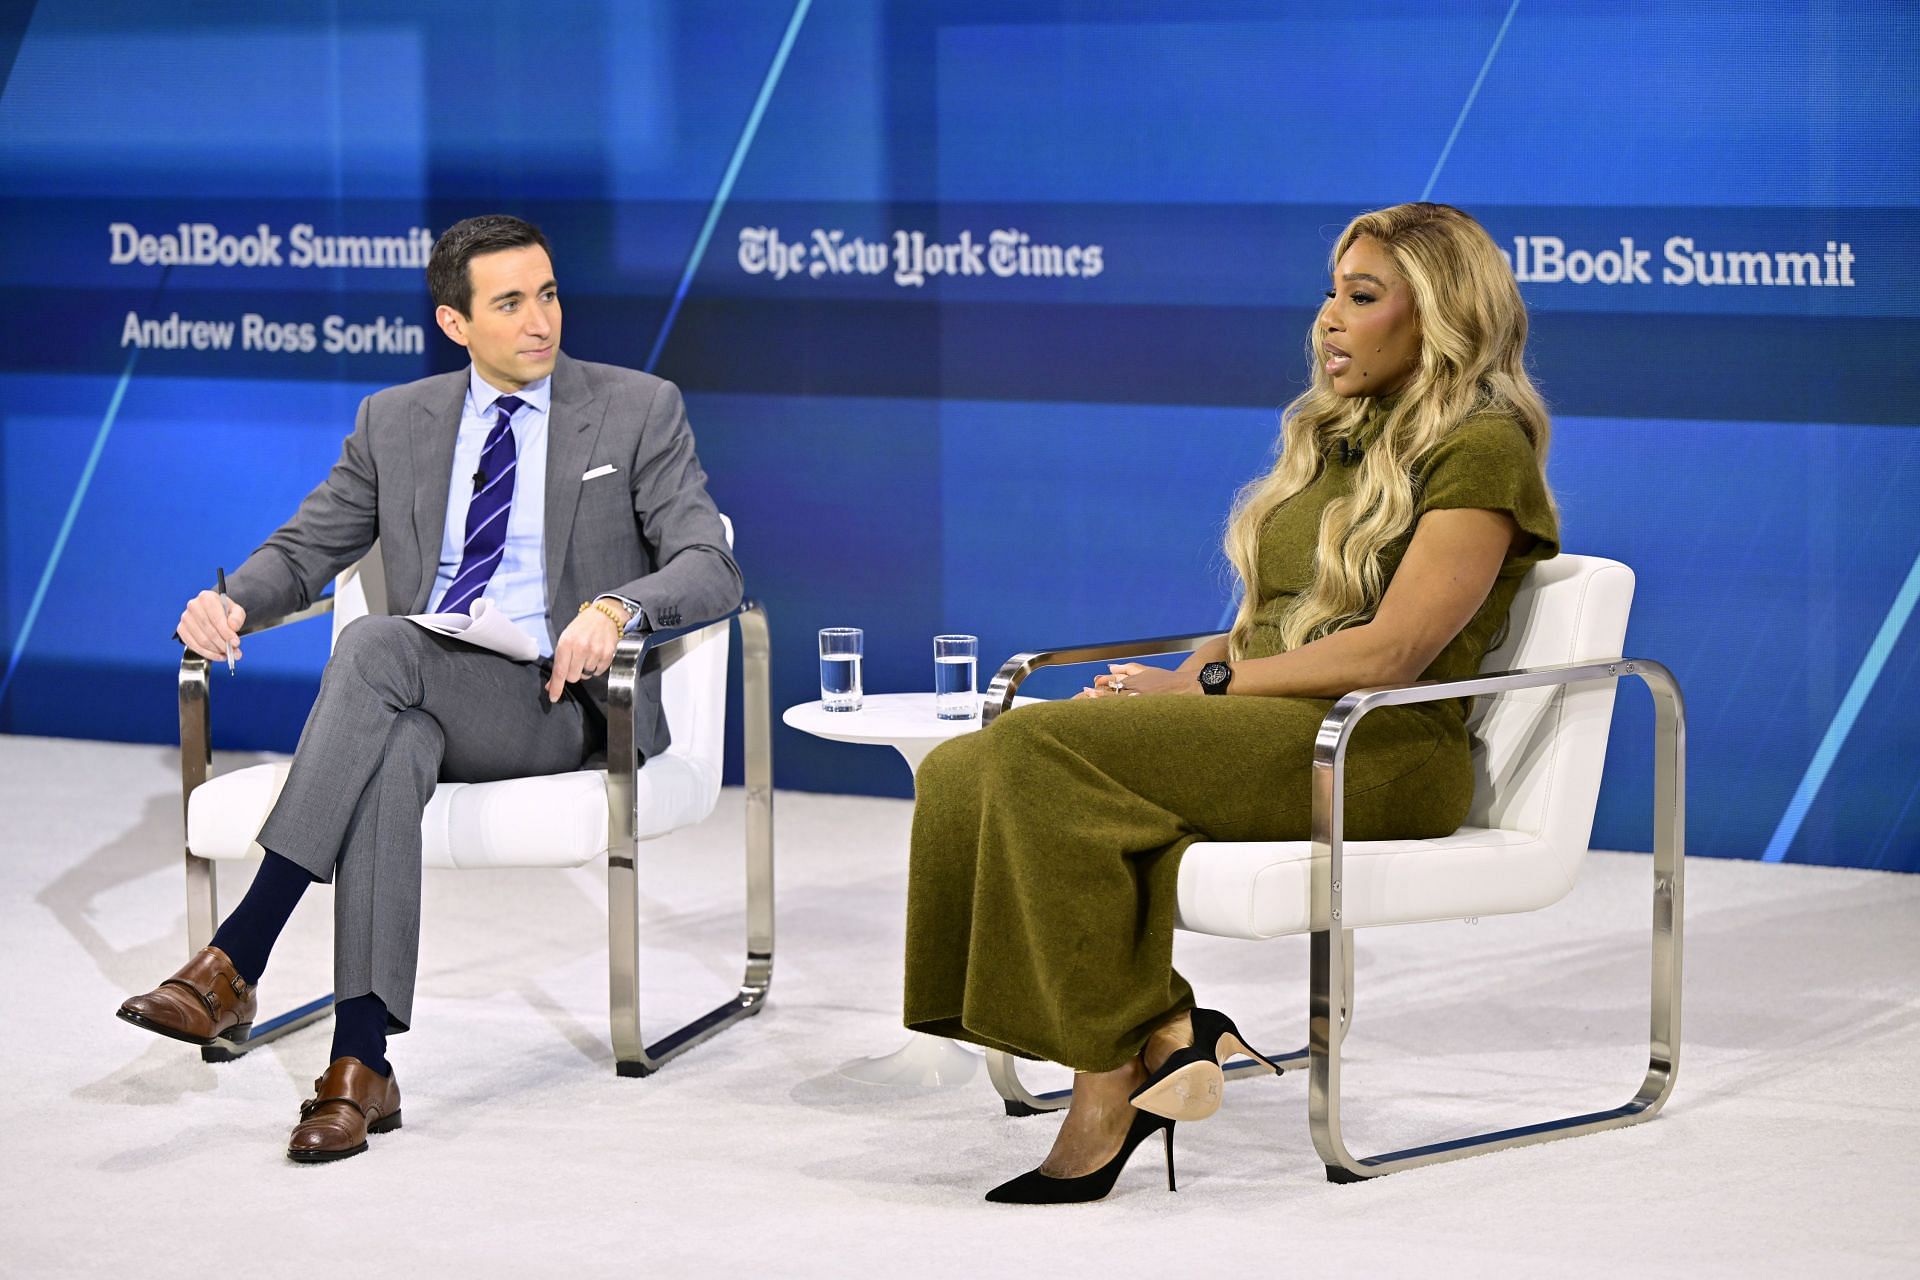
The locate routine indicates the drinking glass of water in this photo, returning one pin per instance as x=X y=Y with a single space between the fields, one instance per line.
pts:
x=840 y=652
x=955 y=660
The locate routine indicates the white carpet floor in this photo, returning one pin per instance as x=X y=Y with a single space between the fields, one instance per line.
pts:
x=1791 y=1147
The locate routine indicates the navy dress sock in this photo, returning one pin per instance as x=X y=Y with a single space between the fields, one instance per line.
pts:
x=360 y=1031
x=249 y=933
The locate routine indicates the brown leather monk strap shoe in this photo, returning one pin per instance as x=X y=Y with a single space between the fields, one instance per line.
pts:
x=206 y=1001
x=349 y=1102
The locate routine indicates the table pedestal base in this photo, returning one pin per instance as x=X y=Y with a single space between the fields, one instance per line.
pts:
x=931 y=1062
x=907 y=723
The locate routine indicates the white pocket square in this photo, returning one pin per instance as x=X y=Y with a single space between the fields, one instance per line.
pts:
x=604 y=470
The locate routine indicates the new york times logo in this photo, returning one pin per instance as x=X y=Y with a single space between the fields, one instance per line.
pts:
x=913 y=257
x=1547 y=260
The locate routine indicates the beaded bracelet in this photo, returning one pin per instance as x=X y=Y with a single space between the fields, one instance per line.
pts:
x=607 y=611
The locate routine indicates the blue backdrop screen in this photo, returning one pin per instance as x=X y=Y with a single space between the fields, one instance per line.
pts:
x=984 y=311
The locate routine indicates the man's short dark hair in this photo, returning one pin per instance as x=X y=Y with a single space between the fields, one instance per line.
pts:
x=447 y=276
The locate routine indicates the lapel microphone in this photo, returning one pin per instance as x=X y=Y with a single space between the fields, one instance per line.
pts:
x=479 y=481
x=1348 y=454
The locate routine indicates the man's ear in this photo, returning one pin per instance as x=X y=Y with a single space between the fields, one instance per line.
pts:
x=451 y=323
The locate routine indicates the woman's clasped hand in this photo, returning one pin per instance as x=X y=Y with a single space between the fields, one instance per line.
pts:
x=1132 y=679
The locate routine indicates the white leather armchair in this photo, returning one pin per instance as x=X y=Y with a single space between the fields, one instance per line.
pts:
x=560 y=820
x=1540 y=723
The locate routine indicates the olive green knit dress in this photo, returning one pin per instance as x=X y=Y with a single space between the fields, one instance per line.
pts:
x=1046 y=848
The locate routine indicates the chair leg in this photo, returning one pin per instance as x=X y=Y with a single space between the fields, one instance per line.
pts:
x=203 y=881
x=271 y=1029
x=633 y=1056
x=196 y=764
x=1332 y=965
x=1346 y=987
x=1003 y=1069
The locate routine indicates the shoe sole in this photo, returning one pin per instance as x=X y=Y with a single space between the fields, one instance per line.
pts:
x=323 y=1157
x=383 y=1125
x=1194 y=1091
x=236 y=1034
x=1191 y=1093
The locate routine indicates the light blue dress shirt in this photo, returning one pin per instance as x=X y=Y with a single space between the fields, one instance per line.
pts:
x=519 y=582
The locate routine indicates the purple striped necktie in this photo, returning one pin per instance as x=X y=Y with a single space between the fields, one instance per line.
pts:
x=486 y=543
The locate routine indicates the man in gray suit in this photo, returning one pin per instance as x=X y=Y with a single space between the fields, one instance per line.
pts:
x=564 y=494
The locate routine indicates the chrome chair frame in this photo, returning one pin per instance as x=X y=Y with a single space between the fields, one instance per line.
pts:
x=633 y=1056
x=1331 y=967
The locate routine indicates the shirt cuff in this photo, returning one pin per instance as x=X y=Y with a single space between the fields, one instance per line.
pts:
x=637 y=621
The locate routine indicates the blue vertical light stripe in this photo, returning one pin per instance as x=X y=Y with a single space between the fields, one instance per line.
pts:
x=66 y=525
x=1836 y=736
x=1467 y=106
x=721 y=196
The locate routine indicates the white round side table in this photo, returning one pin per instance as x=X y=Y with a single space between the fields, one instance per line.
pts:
x=905 y=722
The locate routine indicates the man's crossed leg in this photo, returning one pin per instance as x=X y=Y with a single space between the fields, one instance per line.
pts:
x=400 y=708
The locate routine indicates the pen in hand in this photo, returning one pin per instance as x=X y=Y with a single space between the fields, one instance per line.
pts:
x=221 y=575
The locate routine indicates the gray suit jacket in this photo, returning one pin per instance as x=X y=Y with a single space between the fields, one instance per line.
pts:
x=648 y=532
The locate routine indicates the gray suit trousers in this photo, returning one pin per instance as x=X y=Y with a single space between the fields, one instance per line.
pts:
x=400 y=709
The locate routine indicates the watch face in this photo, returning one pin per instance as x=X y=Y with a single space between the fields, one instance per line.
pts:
x=1214 y=676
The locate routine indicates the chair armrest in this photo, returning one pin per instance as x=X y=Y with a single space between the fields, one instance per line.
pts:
x=623 y=677
x=665 y=637
x=193 y=667
x=1007 y=680
x=635 y=648
x=1330 y=745
x=1336 y=732
x=196 y=717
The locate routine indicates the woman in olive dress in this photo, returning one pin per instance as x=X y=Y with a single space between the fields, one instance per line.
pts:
x=1386 y=544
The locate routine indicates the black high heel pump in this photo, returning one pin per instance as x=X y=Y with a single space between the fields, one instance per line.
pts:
x=1035 y=1187
x=1188 y=1084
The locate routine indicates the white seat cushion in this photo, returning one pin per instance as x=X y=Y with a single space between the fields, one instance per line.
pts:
x=1263 y=889
x=559 y=820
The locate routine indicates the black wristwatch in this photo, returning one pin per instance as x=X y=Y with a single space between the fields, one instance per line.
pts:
x=1215 y=677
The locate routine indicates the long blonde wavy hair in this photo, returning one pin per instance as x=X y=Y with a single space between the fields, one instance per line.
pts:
x=1473 y=337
